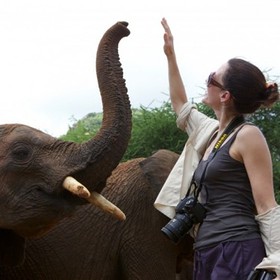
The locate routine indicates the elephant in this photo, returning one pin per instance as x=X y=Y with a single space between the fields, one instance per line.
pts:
x=50 y=230
x=35 y=166
x=92 y=245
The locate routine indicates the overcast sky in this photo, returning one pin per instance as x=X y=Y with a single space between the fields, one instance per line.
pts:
x=47 y=51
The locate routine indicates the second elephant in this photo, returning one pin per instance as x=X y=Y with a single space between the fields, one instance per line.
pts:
x=94 y=246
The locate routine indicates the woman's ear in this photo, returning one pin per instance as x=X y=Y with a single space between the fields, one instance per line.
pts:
x=225 y=96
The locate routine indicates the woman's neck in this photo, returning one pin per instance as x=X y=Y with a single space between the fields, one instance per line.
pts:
x=224 y=119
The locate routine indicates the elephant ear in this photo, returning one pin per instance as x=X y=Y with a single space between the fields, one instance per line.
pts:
x=12 y=248
x=157 y=167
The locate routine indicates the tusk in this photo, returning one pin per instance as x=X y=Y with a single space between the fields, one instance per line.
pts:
x=73 y=186
x=101 y=202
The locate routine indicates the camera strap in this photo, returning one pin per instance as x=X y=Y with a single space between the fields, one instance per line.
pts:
x=228 y=130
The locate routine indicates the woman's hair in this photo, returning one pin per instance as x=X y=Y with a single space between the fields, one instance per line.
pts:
x=248 y=86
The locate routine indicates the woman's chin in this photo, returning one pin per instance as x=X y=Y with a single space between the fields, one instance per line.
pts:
x=204 y=100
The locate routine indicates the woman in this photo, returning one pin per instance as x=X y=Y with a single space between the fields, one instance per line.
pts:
x=236 y=182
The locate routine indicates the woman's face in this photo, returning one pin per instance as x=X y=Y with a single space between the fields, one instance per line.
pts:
x=215 y=88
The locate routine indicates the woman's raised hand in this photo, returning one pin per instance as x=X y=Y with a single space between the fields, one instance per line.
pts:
x=168 y=39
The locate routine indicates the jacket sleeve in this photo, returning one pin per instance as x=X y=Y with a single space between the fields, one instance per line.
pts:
x=190 y=119
x=269 y=223
x=199 y=128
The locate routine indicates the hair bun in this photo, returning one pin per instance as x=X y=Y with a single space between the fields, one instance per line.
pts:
x=271 y=87
x=270 y=95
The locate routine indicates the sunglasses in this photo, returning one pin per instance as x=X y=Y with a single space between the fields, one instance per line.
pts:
x=211 y=81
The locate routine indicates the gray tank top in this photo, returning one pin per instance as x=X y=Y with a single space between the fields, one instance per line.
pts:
x=227 y=196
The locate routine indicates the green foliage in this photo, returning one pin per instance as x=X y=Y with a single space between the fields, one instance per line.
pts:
x=84 y=129
x=206 y=110
x=153 y=129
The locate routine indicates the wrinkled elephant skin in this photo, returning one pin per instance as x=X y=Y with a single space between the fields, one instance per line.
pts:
x=94 y=246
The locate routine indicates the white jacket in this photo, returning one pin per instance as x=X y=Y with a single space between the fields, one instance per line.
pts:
x=199 y=127
x=269 y=223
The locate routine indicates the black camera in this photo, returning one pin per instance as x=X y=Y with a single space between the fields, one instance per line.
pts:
x=188 y=212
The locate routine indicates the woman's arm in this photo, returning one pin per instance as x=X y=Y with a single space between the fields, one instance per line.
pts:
x=255 y=154
x=177 y=90
x=256 y=157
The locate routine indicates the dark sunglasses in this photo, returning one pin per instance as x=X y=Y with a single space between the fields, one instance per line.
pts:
x=213 y=82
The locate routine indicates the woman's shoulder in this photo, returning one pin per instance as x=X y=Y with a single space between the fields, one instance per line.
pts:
x=249 y=142
x=250 y=136
x=249 y=130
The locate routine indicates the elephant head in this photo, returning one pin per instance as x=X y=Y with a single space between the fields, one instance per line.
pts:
x=34 y=165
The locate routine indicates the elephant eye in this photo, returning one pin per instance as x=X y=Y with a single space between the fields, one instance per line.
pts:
x=21 y=153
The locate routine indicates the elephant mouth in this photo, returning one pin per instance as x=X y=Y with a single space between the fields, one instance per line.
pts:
x=51 y=209
x=35 y=231
x=78 y=189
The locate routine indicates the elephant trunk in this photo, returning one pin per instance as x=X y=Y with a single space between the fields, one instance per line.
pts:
x=93 y=161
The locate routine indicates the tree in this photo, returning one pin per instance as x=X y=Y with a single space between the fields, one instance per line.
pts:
x=84 y=129
x=153 y=129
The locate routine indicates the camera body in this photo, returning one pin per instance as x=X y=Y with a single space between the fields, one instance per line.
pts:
x=188 y=212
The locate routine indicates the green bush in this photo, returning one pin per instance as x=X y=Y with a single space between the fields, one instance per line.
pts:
x=84 y=129
x=153 y=129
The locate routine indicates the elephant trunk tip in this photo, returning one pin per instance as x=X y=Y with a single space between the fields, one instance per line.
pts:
x=125 y=23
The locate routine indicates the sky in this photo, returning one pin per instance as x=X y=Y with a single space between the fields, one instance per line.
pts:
x=48 y=50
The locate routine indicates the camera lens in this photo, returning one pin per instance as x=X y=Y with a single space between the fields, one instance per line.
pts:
x=178 y=227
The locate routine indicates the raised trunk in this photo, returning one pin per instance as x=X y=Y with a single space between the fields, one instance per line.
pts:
x=96 y=159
